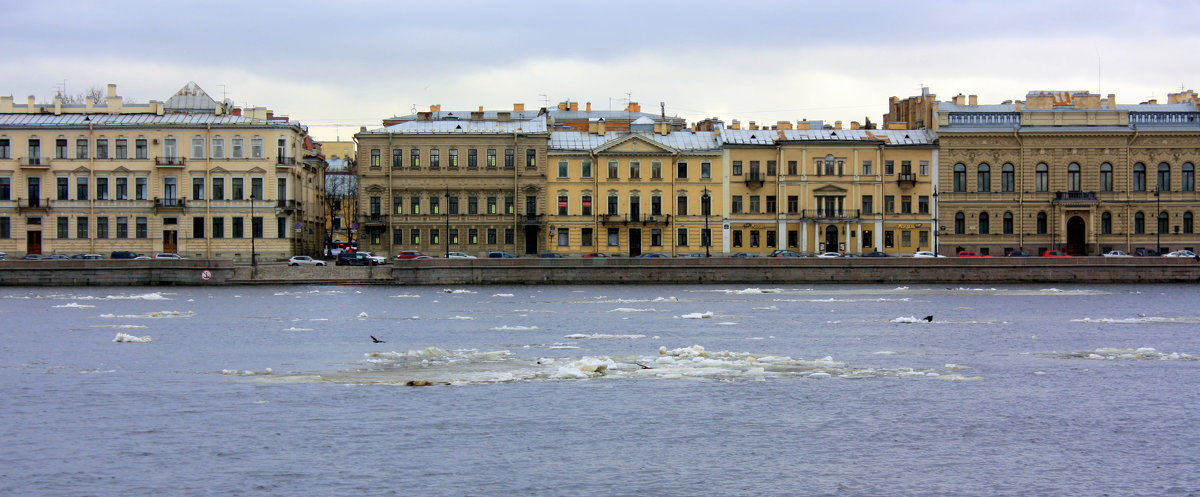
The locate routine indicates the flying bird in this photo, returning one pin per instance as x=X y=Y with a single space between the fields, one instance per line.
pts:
x=376 y=340
x=929 y=319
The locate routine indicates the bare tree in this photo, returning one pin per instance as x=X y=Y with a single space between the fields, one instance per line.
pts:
x=94 y=95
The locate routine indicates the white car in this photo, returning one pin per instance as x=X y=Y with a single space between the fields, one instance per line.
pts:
x=375 y=259
x=459 y=255
x=167 y=255
x=926 y=254
x=829 y=255
x=1180 y=253
x=304 y=260
x=1116 y=253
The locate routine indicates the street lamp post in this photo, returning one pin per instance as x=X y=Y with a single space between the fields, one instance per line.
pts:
x=936 y=226
x=446 y=235
x=1157 y=223
x=707 y=208
x=253 y=252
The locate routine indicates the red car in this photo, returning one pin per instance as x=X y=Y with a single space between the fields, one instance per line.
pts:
x=971 y=253
x=411 y=254
x=595 y=255
x=1055 y=253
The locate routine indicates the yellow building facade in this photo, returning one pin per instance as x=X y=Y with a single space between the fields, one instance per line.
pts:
x=190 y=176
x=630 y=193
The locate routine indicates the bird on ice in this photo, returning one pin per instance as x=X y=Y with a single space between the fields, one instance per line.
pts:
x=929 y=318
x=376 y=340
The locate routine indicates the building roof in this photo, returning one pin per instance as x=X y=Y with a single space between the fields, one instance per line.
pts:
x=537 y=125
x=684 y=141
x=770 y=137
x=191 y=98
x=138 y=120
x=558 y=115
x=952 y=107
x=748 y=136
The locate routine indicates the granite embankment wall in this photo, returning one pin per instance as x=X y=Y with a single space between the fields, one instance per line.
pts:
x=757 y=271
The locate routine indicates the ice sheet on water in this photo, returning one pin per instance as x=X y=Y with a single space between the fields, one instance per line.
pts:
x=143 y=296
x=754 y=291
x=437 y=366
x=513 y=328
x=1123 y=354
x=120 y=326
x=907 y=319
x=297 y=329
x=767 y=308
x=127 y=338
x=458 y=291
x=74 y=305
x=698 y=315
x=311 y=293
x=601 y=336
x=242 y=372
x=502 y=295
x=406 y=296
x=152 y=315
x=460 y=318
x=606 y=300
x=631 y=309
x=1142 y=320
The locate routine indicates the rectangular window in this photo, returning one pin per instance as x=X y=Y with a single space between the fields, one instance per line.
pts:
x=281 y=227
x=889 y=204
x=472 y=158
x=510 y=205
x=81 y=188
x=493 y=206
x=197 y=148
x=141 y=188
x=772 y=169
x=397 y=158
x=736 y=205
x=101 y=148
x=122 y=227
x=435 y=158
x=562 y=169
x=564 y=237
x=906 y=204
x=635 y=169
x=612 y=205
x=656 y=170
x=122 y=192
x=491 y=158
x=755 y=206
x=923 y=204
x=681 y=205
x=614 y=237
x=414 y=158
x=656 y=237
x=102 y=227
x=256 y=188
x=141 y=149
x=754 y=238
x=472 y=205
x=236 y=189
x=35 y=150
x=256 y=148
x=218 y=148
x=454 y=158
x=414 y=205
x=141 y=228
x=509 y=158
x=906 y=238
x=101 y=188
x=414 y=237
x=681 y=237
x=491 y=236
x=889 y=167
x=397 y=236
x=239 y=150
x=454 y=237
x=81 y=227
x=531 y=205
x=64 y=227
x=5 y=148
x=585 y=237
x=792 y=168
x=612 y=169
x=63 y=188
x=238 y=228
x=530 y=158
x=5 y=188
x=793 y=204
x=889 y=239
x=81 y=148
x=510 y=236
x=737 y=168
x=868 y=204
x=923 y=237
x=451 y=205
x=737 y=238
x=218 y=227
x=705 y=170
x=218 y=189
x=197 y=188
x=398 y=205
x=681 y=170
x=473 y=236
x=376 y=207
x=375 y=158
x=924 y=165
x=771 y=204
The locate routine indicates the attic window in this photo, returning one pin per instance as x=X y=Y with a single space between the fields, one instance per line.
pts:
x=457 y=126
x=906 y=137
x=752 y=137
x=833 y=133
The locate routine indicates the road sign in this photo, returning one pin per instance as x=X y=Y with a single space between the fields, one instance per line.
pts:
x=206 y=275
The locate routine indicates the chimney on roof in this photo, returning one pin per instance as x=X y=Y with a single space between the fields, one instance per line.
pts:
x=783 y=125
x=480 y=108
x=425 y=116
x=362 y=129
x=803 y=124
x=662 y=127
x=735 y=124
x=589 y=107
x=1017 y=106
x=111 y=91
x=633 y=107
x=753 y=125
x=596 y=126
x=435 y=108
x=837 y=125
x=855 y=125
x=518 y=107
x=960 y=99
x=973 y=99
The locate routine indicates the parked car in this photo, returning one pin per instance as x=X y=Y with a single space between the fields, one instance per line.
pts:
x=32 y=257
x=1180 y=253
x=167 y=255
x=1116 y=253
x=500 y=254
x=123 y=254
x=595 y=255
x=829 y=255
x=1055 y=253
x=409 y=254
x=461 y=255
x=1144 y=252
x=87 y=256
x=925 y=254
x=551 y=255
x=56 y=257
x=304 y=260
x=3 y=255
x=876 y=254
x=142 y=257
x=971 y=253
x=655 y=255
x=1018 y=253
x=353 y=259
x=375 y=259
x=785 y=253
x=743 y=255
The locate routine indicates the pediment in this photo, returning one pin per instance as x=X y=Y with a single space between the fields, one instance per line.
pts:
x=375 y=189
x=121 y=169
x=218 y=170
x=830 y=190
x=257 y=170
x=81 y=170
x=635 y=144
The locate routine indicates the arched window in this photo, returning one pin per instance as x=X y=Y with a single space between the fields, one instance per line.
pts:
x=1008 y=223
x=960 y=178
x=1074 y=183
x=1164 y=222
x=1007 y=178
x=1189 y=177
x=1139 y=177
x=1041 y=224
x=1139 y=223
x=1106 y=223
x=985 y=223
x=1106 y=177
x=983 y=178
x=1042 y=178
x=1164 y=177
x=960 y=223
x=1187 y=222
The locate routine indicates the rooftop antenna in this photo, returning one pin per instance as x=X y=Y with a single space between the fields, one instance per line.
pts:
x=223 y=92
x=545 y=100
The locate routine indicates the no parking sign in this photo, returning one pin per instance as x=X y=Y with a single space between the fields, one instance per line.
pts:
x=206 y=275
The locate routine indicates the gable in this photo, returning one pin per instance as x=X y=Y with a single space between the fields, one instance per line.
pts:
x=635 y=145
x=830 y=190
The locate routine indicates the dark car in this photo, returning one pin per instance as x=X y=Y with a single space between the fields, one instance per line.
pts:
x=500 y=254
x=33 y=257
x=743 y=255
x=353 y=259
x=550 y=255
x=655 y=255
x=1018 y=253
x=1145 y=252
x=123 y=254
x=876 y=254
x=785 y=253
x=971 y=253
x=595 y=255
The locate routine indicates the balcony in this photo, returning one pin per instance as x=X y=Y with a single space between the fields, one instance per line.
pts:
x=33 y=205
x=906 y=180
x=35 y=162
x=169 y=204
x=644 y=220
x=287 y=205
x=285 y=162
x=375 y=219
x=532 y=219
x=170 y=161
x=755 y=179
x=829 y=214
x=1075 y=197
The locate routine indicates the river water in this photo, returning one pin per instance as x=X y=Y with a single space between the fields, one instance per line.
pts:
x=601 y=390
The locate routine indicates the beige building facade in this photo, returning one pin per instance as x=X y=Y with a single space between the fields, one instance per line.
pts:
x=190 y=176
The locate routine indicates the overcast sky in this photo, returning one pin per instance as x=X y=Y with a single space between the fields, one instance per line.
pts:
x=338 y=65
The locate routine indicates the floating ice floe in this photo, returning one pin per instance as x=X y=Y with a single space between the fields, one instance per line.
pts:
x=364 y=315
x=461 y=318
x=1118 y=354
x=152 y=315
x=907 y=319
x=502 y=295
x=767 y=308
x=698 y=315
x=144 y=296
x=121 y=326
x=241 y=372
x=406 y=296
x=1142 y=320
x=75 y=305
x=514 y=328
x=631 y=309
x=754 y=291
x=312 y=293
x=127 y=338
x=448 y=290
x=297 y=329
x=601 y=336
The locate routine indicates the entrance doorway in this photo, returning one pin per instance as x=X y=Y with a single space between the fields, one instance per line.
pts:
x=531 y=240
x=170 y=241
x=635 y=242
x=33 y=242
x=1076 y=236
x=831 y=239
